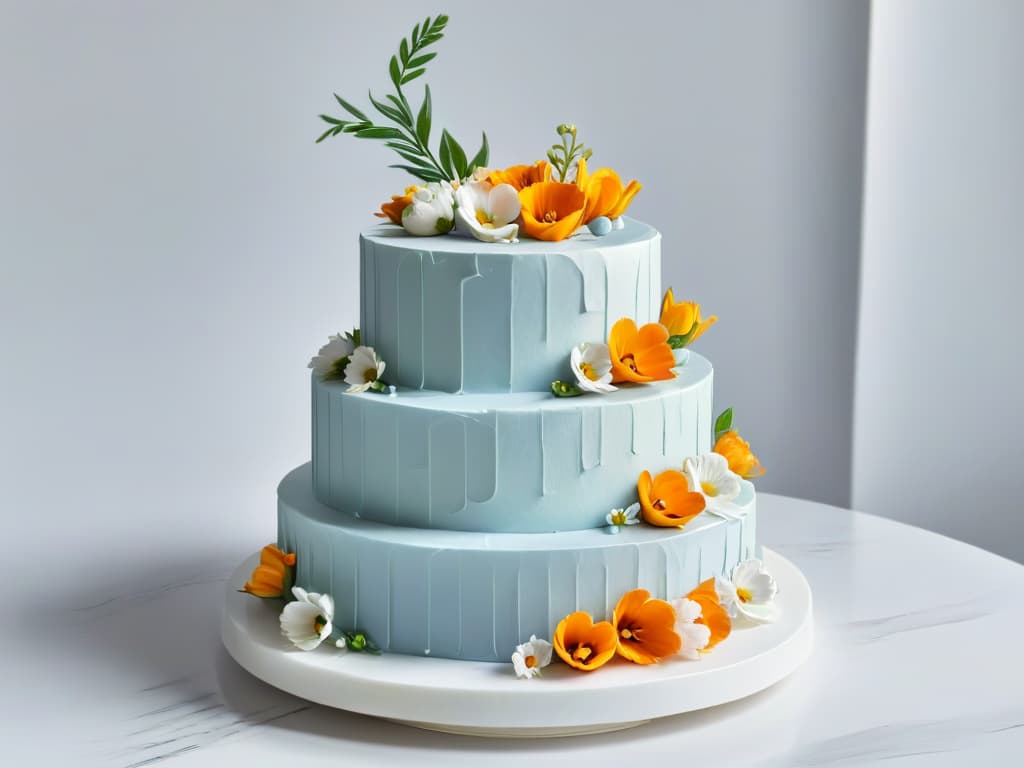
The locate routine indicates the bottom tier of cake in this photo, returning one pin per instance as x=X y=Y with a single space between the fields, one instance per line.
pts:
x=475 y=596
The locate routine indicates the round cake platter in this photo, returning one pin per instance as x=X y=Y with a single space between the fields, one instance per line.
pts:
x=487 y=699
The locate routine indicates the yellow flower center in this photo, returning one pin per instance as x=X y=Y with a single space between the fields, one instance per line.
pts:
x=619 y=517
x=659 y=504
x=710 y=489
x=582 y=653
x=626 y=634
x=370 y=375
x=588 y=370
x=551 y=217
x=531 y=661
x=630 y=361
x=744 y=595
x=484 y=220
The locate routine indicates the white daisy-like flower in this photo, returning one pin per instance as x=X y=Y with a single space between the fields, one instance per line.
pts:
x=337 y=348
x=695 y=636
x=431 y=211
x=592 y=366
x=488 y=212
x=363 y=369
x=750 y=592
x=628 y=516
x=710 y=475
x=530 y=657
x=307 y=620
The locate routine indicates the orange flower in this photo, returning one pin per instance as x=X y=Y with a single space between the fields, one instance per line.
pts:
x=666 y=500
x=273 y=576
x=581 y=643
x=393 y=210
x=551 y=210
x=640 y=355
x=604 y=192
x=712 y=614
x=645 y=628
x=683 y=319
x=522 y=176
x=737 y=452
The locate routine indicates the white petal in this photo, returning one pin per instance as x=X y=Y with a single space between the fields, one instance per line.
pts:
x=326 y=605
x=503 y=204
x=686 y=610
x=760 y=614
x=297 y=624
x=541 y=650
x=300 y=594
x=633 y=511
x=694 y=637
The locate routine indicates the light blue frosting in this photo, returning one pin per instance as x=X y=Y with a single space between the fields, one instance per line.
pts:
x=475 y=596
x=457 y=315
x=523 y=461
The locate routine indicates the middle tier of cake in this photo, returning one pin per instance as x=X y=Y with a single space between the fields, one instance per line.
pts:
x=524 y=462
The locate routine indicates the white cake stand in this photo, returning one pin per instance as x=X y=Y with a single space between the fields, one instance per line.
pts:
x=487 y=699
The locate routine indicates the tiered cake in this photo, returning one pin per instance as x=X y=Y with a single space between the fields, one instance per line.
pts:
x=466 y=511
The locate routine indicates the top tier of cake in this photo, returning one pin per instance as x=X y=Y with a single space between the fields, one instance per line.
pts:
x=453 y=314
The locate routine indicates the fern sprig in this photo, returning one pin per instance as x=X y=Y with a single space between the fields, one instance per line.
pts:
x=409 y=134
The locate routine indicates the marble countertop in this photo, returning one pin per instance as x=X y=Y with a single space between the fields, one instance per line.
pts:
x=917 y=663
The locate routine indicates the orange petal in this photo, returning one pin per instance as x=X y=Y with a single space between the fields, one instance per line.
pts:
x=627 y=197
x=603 y=190
x=712 y=614
x=653 y=355
x=667 y=501
x=644 y=628
x=703 y=327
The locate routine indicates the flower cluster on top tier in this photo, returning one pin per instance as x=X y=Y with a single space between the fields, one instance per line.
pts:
x=552 y=199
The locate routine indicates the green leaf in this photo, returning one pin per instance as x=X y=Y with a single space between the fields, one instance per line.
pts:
x=332 y=120
x=380 y=132
x=723 y=423
x=354 y=127
x=480 y=158
x=396 y=73
x=458 y=156
x=403 y=51
x=430 y=40
x=445 y=155
x=325 y=134
x=412 y=75
x=416 y=157
x=403 y=107
x=423 y=119
x=419 y=61
x=390 y=112
x=677 y=342
x=565 y=389
x=415 y=34
x=424 y=174
x=352 y=110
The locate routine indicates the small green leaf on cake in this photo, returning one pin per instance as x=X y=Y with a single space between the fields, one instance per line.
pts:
x=565 y=389
x=723 y=423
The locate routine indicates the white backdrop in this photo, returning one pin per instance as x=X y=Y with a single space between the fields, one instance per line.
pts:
x=173 y=246
x=940 y=406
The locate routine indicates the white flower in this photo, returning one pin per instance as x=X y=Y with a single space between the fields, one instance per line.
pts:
x=480 y=173
x=710 y=475
x=488 y=212
x=628 y=516
x=750 y=593
x=431 y=211
x=307 y=620
x=695 y=636
x=592 y=366
x=363 y=369
x=337 y=348
x=531 y=656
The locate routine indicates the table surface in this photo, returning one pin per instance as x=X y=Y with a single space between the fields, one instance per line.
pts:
x=917 y=662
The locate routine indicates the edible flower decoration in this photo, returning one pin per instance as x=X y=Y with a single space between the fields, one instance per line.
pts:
x=332 y=359
x=583 y=644
x=306 y=621
x=749 y=592
x=393 y=210
x=592 y=365
x=551 y=210
x=530 y=657
x=274 y=575
x=693 y=635
x=604 y=192
x=644 y=628
x=432 y=210
x=364 y=370
x=710 y=475
x=683 y=321
x=667 y=500
x=712 y=614
x=620 y=517
x=488 y=212
x=640 y=355
x=735 y=449
x=521 y=176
